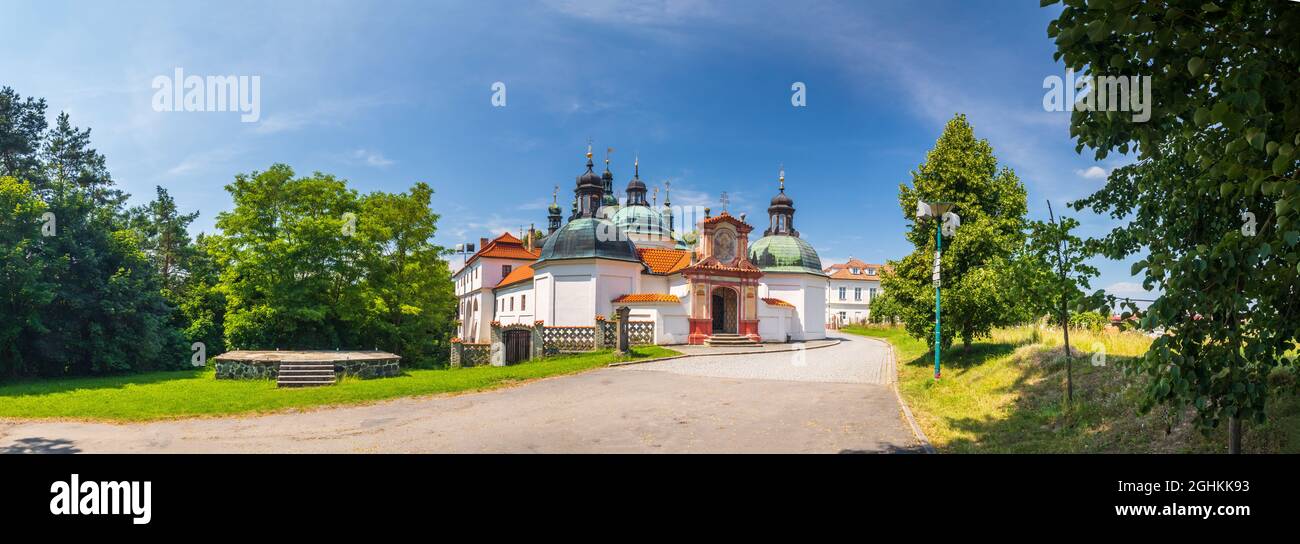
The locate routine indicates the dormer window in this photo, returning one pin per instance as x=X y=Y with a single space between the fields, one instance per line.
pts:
x=856 y=271
x=871 y=271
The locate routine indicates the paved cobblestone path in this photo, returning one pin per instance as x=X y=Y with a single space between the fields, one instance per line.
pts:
x=828 y=400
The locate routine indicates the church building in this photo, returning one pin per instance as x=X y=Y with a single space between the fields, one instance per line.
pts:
x=706 y=285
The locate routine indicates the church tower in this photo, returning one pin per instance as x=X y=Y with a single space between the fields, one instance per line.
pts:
x=589 y=191
x=636 y=188
x=608 y=200
x=781 y=213
x=553 y=212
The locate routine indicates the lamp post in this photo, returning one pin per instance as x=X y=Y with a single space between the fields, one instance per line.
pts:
x=944 y=219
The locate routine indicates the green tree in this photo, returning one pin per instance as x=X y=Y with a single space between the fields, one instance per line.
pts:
x=1052 y=275
x=409 y=285
x=288 y=270
x=22 y=128
x=977 y=274
x=24 y=275
x=1214 y=195
x=94 y=305
x=165 y=238
x=307 y=263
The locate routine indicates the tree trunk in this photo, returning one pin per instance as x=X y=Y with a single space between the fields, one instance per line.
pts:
x=1069 y=359
x=1234 y=435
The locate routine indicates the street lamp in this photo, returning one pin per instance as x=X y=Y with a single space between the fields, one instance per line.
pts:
x=945 y=220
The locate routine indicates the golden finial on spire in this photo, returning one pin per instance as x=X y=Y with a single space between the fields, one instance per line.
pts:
x=781 y=178
x=608 y=150
x=588 y=148
x=555 y=195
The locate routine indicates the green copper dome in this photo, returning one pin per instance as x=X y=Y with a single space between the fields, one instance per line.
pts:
x=586 y=238
x=784 y=253
x=641 y=220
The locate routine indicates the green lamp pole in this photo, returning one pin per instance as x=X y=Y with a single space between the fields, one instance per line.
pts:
x=940 y=211
x=938 y=252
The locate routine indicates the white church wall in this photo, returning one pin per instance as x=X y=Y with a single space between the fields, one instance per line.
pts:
x=808 y=295
x=572 y=293
x=615 y=279
x=651 y=283
x=573 y=300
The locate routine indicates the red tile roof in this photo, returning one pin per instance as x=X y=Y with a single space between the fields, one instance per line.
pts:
x=648 y=297
x=664 y=261
x=522 y=273
x=506 y=246
x=778 y=302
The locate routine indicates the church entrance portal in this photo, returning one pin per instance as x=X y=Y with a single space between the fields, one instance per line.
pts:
x=725 y=309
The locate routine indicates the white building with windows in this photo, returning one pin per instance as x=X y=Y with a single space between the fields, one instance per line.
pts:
x=852 y=287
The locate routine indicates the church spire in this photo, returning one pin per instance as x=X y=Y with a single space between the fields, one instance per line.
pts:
x=636 y=188
x=607 y=180
x=781 y=211
x=667 y=213
x=589 y=190
x=553 y=211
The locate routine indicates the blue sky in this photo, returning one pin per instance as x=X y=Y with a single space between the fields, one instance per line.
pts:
x=389 y=93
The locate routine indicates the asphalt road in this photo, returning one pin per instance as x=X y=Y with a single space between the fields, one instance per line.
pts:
x=828 y=400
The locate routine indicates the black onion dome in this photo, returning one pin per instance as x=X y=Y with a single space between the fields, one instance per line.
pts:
x=782 y=199
x=590 y=177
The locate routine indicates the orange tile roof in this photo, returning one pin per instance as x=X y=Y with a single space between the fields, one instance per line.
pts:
x=664 y=261
x=724 y=216
x=778 y=302
x=523 y=273
x=506 y=246
x=648 y=297
x=845 y=271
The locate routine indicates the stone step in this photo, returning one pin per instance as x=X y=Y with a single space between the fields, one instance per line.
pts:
x=317 y=383
x=306 y=375
x=730 y=340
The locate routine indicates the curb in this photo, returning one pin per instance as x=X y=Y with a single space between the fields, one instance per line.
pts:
x=751 y=352
x=907 y=412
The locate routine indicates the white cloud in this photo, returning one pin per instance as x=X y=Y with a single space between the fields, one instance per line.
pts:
x=326 y=112
x=1093 y=172
x=370 y=158
x=199 y=161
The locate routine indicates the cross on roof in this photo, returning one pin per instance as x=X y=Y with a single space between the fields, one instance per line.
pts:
x=724 y=201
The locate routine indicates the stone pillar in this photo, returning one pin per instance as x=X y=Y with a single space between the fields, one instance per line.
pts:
x=537 y=345
x=457 y=354
x=497 y=350
x=599 y=342
x=624 y=345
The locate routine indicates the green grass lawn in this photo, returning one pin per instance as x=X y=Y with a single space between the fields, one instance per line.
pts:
x=189 y=393
x=1007 y=395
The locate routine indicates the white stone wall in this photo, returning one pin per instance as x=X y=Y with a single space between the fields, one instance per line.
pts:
x=807 y=292
x=572 y=293
x=774 y=322
x=518 y=303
